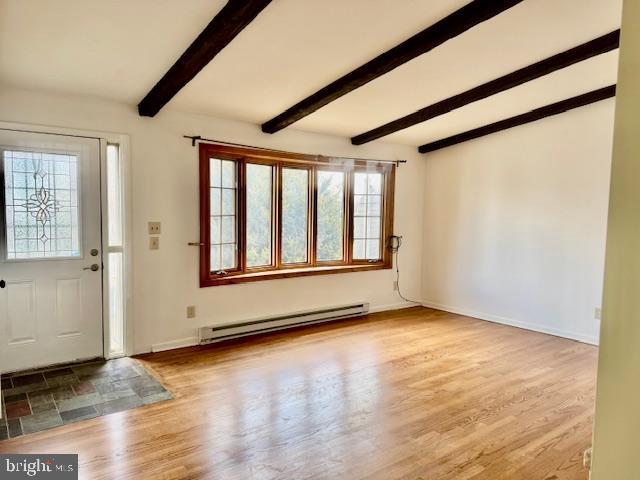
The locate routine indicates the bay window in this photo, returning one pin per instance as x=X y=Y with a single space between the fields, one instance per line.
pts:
x=267 y=214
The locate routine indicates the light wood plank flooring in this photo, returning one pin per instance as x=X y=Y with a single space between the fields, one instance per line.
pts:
x=410 y=394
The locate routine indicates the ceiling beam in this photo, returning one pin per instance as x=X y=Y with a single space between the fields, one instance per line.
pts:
x=449 y=27
x=224 y=27
x=532 y=116
x=600 y=45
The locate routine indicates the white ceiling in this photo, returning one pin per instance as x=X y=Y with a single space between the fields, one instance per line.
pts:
x=118 y=49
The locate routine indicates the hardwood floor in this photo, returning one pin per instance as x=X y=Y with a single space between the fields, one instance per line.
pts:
x=410 y=394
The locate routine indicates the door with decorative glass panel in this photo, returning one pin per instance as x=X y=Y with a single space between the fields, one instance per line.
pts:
x=50 y=250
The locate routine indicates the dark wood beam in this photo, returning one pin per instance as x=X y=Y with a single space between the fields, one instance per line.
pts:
x=224 y=27
x=603 y=44
x=532 y=116
x=449 y=27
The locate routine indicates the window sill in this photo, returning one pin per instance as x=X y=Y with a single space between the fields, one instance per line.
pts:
x=290 y=273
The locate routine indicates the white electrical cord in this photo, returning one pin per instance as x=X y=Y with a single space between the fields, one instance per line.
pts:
x=394 y=248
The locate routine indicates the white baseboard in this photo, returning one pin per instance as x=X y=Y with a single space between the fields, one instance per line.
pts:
x=393 y=306
x=191 y=341
x=180 y=343
x=514 y=323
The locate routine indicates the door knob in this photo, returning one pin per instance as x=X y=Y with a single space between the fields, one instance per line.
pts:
x=93 y=268
x=3 y=284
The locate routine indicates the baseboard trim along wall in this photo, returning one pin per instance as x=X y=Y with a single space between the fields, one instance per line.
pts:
x=513 y=323
x=393 y=306
x=191 y=341
x=173 y=344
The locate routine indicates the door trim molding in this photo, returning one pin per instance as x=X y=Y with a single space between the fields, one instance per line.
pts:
x=104 y=138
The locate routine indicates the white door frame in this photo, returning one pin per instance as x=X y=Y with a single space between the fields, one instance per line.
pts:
x=123 y=141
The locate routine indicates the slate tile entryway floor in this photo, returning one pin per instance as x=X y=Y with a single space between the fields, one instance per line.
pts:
x=39 y=400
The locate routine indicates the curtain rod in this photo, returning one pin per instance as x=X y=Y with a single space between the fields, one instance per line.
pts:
x=197 y=138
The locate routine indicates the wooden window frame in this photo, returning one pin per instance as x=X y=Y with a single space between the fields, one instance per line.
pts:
x=280 y=160
x=310 y=222
x=384 y=241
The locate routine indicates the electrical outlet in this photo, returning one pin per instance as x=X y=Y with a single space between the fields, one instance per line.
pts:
x=191 y=311
x=154 y=243
x=154 y=228
x=395 y=286
x=597 y=314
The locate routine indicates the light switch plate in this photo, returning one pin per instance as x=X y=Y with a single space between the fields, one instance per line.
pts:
x=191 y=311
x=154 y=228
x=154 y=243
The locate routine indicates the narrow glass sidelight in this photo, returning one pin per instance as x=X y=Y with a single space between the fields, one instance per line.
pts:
x=41 y=192
x=115 y=252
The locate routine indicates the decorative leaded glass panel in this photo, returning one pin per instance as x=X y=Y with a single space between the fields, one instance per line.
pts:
x=42 y=205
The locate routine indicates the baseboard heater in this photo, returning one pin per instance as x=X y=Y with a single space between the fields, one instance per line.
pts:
x=228 y=331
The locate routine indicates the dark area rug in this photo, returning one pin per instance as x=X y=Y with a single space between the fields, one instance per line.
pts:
x=38 y=400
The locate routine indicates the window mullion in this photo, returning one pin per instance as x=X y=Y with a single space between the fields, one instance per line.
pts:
x=312 y=217
x=348 y=235
x=275 y=217
x=241 y=240
x=277 y=213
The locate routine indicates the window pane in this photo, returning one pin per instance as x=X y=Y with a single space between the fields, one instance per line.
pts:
x=223 y=220
x=374 y=184
x=228 y=233
x=228 y=174
x=360 y=227
x=41 y=193
x=215 y=172
x=228 y=201
x=215 y=204
x=215 y=258
x=114 y=198
x=358 y=249
x=116 y=303
x=373 y=227
x=330 y=215
x=367 y=212
x=373 y=249
x=228 y=257
x=259 y=209
x=295 y=214
x=373 y=205
x=360 y=184
x=215 y=230
x=360 y=205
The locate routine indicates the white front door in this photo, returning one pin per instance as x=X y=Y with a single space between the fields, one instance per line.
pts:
x=50 y=250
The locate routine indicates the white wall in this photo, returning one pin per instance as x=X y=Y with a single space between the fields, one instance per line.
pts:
x=515 y=223
x=165 y=188
x=512 y=227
